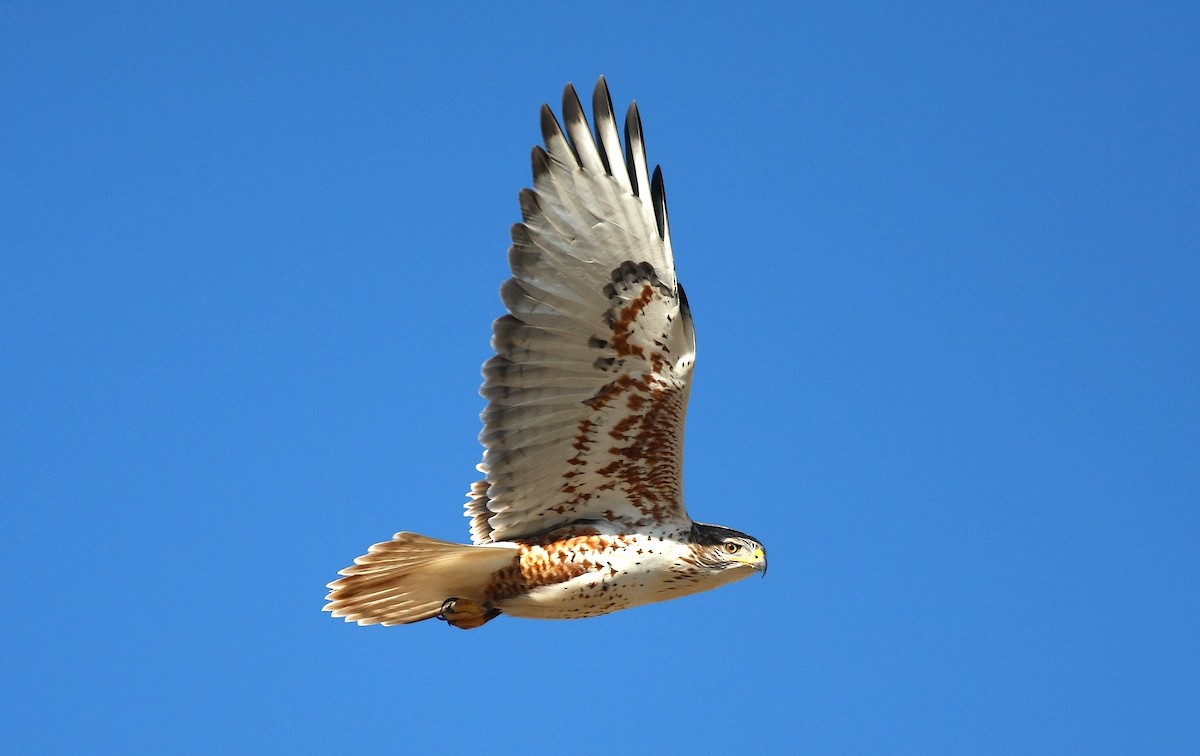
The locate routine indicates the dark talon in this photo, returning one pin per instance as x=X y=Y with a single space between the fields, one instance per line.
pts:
x=447 y=607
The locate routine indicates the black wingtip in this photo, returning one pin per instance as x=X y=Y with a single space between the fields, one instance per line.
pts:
x=550 y=127
x=571 y=99
x=601 y=94
x=540 y=161
x=635 y=147
x=658 y=195
x=602 y=99
x=607 y=139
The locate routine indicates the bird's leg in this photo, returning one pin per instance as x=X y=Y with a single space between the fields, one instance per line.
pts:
x=466 y=614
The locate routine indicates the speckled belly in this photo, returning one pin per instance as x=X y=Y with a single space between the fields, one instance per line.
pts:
x=586 y=576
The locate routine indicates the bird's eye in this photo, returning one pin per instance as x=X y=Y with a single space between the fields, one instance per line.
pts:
x=732 y=548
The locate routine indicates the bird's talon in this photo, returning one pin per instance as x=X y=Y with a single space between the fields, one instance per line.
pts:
x=447 y=608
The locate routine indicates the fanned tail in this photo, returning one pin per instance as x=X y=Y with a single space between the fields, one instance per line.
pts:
x=409 y=578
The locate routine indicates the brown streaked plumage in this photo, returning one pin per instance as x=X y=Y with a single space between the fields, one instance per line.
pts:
x=581 y=510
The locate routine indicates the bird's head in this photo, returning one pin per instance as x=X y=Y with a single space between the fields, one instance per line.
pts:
x=728 y=551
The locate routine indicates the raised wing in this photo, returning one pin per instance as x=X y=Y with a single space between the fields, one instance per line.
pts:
x=589 y=386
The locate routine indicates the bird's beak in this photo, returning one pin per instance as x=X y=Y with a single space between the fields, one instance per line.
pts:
x=760 y=560
x=757 y=560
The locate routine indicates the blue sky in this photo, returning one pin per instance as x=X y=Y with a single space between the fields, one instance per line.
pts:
x=945 y=269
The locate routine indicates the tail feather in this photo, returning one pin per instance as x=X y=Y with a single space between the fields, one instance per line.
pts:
x=408 y=578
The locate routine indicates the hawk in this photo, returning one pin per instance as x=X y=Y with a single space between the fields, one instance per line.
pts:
x=580 y=512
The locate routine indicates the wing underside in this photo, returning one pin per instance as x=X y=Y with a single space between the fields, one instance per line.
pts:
x=588 y=390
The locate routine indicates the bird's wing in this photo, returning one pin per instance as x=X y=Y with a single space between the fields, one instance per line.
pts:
x=589 y=386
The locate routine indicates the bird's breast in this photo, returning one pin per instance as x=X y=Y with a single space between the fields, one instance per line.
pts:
x=585 y=576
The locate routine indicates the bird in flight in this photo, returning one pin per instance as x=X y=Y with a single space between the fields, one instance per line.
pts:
x=580 y=511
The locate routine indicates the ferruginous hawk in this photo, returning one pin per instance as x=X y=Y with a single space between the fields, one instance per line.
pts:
x=580 y=512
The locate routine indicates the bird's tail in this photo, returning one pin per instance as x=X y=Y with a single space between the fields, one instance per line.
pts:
x=410 y=577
